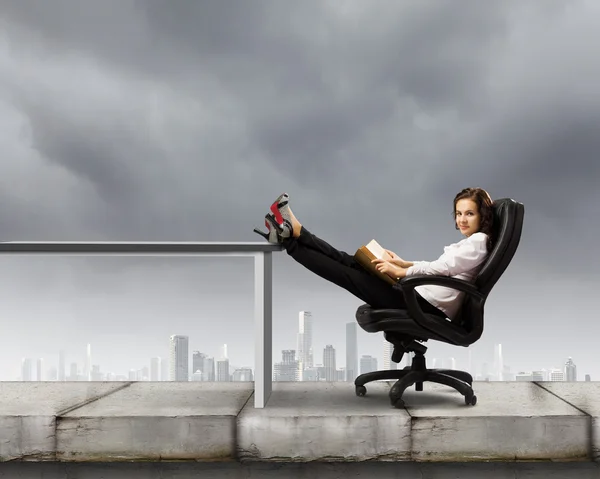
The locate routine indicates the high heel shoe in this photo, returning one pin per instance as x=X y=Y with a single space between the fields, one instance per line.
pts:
x=273 y=235
x=282 y=215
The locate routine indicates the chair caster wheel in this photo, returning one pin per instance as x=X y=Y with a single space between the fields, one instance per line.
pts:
x=399 y=403
x=470 y=399
x=361 y=390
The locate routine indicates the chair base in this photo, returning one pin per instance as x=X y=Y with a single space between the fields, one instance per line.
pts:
x=417 y=374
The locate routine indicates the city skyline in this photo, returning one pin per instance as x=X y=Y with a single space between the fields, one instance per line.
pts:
x=180 y=122
x=184 y=364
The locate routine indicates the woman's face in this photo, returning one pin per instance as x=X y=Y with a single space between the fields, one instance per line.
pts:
x=467 y=217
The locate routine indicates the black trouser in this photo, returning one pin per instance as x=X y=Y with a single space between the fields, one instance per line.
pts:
x=343 y=270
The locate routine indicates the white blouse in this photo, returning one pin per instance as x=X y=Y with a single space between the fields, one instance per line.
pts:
x=461 y=260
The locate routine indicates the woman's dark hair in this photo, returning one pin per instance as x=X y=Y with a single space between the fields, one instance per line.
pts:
x=485 y=206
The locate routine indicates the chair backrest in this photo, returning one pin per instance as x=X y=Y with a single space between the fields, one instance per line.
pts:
x=506 y=235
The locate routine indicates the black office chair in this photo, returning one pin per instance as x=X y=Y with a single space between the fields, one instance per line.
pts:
x=408 y=329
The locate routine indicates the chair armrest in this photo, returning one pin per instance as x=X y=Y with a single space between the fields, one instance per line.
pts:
x=411 y=282
x=408 y=284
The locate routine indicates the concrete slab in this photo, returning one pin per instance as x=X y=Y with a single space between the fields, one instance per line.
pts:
x=316 y=421
x=511 y=421
x=156 y=421
x=585 y=396
x=28 y=413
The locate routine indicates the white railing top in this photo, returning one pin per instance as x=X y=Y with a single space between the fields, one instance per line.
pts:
x=136 y=247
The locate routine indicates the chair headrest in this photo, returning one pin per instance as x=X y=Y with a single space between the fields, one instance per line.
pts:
x=506 y=235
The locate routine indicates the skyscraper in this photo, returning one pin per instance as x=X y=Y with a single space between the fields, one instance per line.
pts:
x=223 y=370
x=223 y=366
x=304 y=346
x=351 y=352
x=570 y=370
x=329 y=363
x=179 y=359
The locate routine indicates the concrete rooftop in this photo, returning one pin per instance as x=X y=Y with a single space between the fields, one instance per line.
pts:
x=108 y=422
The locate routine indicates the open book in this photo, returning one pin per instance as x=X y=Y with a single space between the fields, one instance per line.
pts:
x=366 y=253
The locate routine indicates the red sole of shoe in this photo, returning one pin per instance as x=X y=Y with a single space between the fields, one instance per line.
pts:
x=276 y=213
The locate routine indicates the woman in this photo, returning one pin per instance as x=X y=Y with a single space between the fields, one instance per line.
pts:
x=473 y=216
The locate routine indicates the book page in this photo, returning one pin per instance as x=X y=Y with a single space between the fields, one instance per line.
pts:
x=377 y=250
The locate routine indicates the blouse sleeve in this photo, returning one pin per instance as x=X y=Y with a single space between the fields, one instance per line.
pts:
x=465 y=257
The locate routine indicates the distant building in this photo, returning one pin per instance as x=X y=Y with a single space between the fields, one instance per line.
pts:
x=87 y=367
x=61 y=365
x=312 y=374
x=208 y=370
x=570 y=370
x=498 y=363
x=39 y=373
x=223 y=370
x=329 y=363
x=26 y=369
x=450 y=363
x=388 y=349
x=155 y=369
x=540 y=375
x=242 y=375
x=52 y=374
x=523 y=376
x=288 y=368
x=96 y=374
x=73 y=372
x=507 y=375
x=556 y=375
x=304 y=344
x=587 y=377
x=198 y=362
x=179 y=358
x=408 y=358
x=164 y=370
x=368 y=364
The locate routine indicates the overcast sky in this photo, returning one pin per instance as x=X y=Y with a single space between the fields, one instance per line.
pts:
x=156 y=120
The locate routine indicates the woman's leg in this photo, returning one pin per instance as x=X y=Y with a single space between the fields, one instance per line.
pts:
x=340 y=268
x=343 y=270
x=310 y=240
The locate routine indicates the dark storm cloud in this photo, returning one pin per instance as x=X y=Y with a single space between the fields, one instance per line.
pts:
x=404 y=94
x=309 y=80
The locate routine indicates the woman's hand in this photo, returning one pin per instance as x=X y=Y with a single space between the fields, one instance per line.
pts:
x=396 y=259
x=389 y=268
